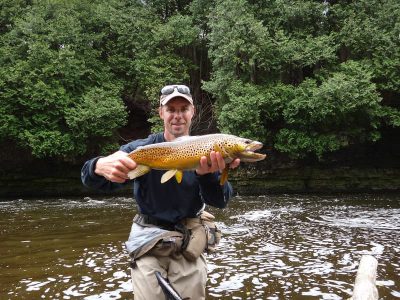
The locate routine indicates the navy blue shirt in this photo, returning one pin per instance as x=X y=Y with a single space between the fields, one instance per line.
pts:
x=170 y=201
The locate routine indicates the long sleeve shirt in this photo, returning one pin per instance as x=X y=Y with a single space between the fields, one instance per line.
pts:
x=169 y=201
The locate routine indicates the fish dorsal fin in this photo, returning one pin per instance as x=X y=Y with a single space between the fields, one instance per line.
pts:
x=138 y=171
x=168 y=175
x=224 y=176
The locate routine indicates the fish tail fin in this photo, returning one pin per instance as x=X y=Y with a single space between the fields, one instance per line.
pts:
x=168 y=175
x=138 y=171
x=224 y=176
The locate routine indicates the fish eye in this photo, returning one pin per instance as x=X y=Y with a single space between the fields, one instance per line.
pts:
x=247 y=141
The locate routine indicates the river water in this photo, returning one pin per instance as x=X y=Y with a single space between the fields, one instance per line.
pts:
x=273 y=247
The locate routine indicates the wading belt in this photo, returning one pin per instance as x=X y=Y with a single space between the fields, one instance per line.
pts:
x=146 y=220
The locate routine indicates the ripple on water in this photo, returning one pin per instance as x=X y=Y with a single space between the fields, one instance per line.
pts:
x=310 y=253
x=376 y=220
x=285 y=247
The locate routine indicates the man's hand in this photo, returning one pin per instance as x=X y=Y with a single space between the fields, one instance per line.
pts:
x=115 y=167
x=217 y=164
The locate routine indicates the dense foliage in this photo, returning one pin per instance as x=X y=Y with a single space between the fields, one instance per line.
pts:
x=306 y=77
x=312 y=76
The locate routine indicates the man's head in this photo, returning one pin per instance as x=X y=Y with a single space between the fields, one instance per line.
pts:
x=176 y=110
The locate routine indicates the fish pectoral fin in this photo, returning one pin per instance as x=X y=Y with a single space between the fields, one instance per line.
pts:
x=168 y=175
x=138 y=171
x=224 y=176
x=217 y=148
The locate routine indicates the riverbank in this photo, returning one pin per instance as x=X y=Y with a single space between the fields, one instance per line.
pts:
x=317 y=180
x=249 y=179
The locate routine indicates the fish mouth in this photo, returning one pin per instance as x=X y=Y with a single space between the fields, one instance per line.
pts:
x=254 y=146
x=248 y=155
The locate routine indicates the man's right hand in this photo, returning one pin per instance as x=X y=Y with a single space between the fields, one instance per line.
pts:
x=115 y=167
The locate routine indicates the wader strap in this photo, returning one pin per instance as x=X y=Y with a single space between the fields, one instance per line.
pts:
x=146 y=220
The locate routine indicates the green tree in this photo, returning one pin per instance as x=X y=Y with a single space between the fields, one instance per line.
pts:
x=145 y=47
x=369 y=31
x=342 y=110
x=307 y=77
x=51 y=69
x=313 y=74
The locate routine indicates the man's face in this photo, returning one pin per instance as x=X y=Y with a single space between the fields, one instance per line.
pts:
x=177 y=115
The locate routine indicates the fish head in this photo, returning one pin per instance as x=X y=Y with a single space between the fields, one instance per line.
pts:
x=244 y=149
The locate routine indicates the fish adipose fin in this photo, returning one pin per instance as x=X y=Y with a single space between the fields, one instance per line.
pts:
x=171 y=173
x=139 y=171
x=224 y=176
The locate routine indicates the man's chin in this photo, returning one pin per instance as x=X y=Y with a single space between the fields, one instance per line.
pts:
x=178 y=132
x=178 y=129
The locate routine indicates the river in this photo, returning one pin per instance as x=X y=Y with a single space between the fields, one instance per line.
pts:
x=273 y=247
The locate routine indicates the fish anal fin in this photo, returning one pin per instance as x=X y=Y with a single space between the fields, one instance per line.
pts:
x=168 y=175
x=224 y=176
x=138 y=171
x=178 y=176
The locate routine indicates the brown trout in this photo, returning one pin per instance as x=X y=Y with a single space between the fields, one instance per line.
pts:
x=184 y=153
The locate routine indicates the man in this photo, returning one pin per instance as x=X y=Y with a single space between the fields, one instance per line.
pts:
x=162 y=207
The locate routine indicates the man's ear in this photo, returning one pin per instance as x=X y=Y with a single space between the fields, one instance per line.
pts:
x=160 y=112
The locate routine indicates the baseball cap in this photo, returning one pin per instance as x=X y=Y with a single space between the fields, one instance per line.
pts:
x=169 y=92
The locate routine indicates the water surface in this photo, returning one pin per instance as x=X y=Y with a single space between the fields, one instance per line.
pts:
x=273 y=247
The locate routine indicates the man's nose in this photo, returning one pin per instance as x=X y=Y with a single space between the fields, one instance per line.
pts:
x=178 y=114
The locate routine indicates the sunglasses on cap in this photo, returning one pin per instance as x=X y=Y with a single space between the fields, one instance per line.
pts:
x=169 y=89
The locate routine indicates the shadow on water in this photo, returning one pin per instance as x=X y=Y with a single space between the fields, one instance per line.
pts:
x=273 y=247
